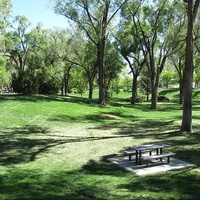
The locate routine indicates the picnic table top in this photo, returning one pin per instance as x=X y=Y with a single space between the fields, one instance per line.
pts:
x=149 y=147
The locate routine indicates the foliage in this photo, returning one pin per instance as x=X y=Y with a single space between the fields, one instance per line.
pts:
x=167 y=77
x=78 y=81
x=4 y=73
x=113 y=67
x=127 y=83
x=25 y=82
x=197 y=79
x=35 y=81
x=145 y=84
x=5 y=6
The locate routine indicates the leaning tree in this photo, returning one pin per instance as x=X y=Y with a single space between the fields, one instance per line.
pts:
x=191 y=9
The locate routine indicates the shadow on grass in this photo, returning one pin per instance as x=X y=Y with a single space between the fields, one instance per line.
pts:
x=48 y=98
x=24 y=184
x=167 y=91
x=99 y=180
x=161 y=186
x=172 y=185
x=96 y=179
x=23 y=145
x=177 y=184
x=112 y=118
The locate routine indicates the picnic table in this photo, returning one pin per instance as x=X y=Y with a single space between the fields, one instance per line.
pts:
x=158 y=148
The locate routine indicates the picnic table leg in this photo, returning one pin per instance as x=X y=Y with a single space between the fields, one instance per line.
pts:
x=140 y=154
x=157 y=151
x=129 y=157
x=136 y=157
x=160 y=153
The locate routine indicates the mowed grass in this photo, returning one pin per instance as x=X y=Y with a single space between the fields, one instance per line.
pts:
x=55 y=147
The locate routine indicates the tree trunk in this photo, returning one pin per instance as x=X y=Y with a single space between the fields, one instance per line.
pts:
x=62 y=89
x=90 y=89
x=154 y=90
x=188 y=74
x=66 y=81
x=65 y=84
x=153 y=97
x=101 y=73
x=134 y=90
x=101 y=50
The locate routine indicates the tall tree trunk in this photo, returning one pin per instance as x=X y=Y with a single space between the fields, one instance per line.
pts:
x=101 y=50
x=154 y=88
x=188 y=74
x=134 y=90
x=152 y=73
x=101 y=74
x=63 y=87
x=153 y=97
x=65 y=84
x=90 y=89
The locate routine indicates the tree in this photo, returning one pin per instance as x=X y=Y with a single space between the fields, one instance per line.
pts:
x=89 y=63
x=78 y=80
x=113 y=67
x=191 y=9
x=128 y=42
x=153 y=22
x=178 y=61
x=145 y=83
x=17 y=42
x=5 y=6
x=178 y=29
x=58 y=53
x=93 y=17
x=31 y=52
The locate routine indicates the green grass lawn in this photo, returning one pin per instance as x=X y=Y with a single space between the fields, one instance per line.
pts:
x=55 y=147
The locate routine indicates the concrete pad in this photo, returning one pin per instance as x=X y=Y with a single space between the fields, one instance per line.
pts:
x=154 y=167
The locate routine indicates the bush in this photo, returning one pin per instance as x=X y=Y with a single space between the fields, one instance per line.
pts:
x=30 y=82
x=25 y=82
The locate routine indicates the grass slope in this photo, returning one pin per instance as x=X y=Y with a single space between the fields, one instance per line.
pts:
x=56 y=147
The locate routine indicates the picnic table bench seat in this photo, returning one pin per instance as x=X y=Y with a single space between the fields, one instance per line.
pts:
x=132 y=152
x=153 y=157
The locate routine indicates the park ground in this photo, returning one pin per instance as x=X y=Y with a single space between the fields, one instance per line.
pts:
x=55 y=147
